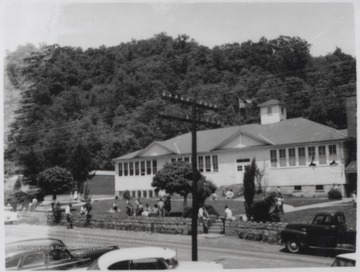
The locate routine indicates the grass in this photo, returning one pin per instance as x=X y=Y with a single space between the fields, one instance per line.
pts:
x=306 y=216
x=237 y=207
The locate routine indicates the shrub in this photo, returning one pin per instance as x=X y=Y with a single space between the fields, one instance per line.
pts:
x=334 y=194
x=260 y=210
x=126 y=195
x=210 y=209
x=55 y=180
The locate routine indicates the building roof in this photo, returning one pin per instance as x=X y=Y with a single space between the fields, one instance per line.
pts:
x=271 y=102
x=286 y=132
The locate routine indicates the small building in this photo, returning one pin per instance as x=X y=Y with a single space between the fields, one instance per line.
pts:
x=300 y=156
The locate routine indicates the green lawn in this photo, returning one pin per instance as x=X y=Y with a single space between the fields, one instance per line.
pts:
x=237 y=207
x=306 y=216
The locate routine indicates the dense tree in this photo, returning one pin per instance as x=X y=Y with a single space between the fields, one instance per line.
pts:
x=176 y=178
x=55 y=180
x=249 y=186
x=108 y=98
x=81 y=165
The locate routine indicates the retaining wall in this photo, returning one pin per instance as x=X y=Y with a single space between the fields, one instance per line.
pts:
x=265 y=232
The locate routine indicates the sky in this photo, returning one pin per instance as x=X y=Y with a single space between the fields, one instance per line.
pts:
x=325 y=25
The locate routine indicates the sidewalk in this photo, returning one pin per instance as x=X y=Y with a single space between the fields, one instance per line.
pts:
x=288 y=208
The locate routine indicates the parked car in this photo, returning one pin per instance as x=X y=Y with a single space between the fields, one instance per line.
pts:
x=347 y=259
x=10 y=217
x=146 y=258
x=48 y=254
x=327 y=230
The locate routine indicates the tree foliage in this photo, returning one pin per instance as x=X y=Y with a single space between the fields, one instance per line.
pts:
x=55 y=180
x=249 y=185
x=108 y=98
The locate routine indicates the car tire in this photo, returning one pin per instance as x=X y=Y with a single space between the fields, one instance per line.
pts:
x=293 y=246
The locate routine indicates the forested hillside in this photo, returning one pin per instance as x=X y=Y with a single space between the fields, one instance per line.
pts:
x=108 y=99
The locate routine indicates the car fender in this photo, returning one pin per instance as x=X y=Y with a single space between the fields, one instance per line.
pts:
x=299 y=235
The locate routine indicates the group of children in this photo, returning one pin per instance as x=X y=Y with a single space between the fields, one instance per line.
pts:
x=161 y=208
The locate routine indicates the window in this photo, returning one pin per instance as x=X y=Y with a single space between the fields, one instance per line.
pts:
x=173 y=160
x=282 y=110
x=242 y=160
x=215 y=163
x=179 y=159
x=273 y=158
x=142 y=168
x=147 y=264
x=34 y=259
x=144 y=194
x=125 y=168
x=148 y=167
x=120 y=169
x=322 y=155
x=151 y=194
x=133 y=193
x=201 y=164
x=319 y=187
x=240 y=168
x=282 y=153
x=292 y=158
x=58 y=254
x=207 y=164
x=154 y=167
x=187 y=159
x=12 y=263
x=137 y=171
x=297 y=188
x=269 y=110
x=124 y=265
x=332 y=153
x=302 y=156
x=311 y=151
x=139 y=194
x=131 y=166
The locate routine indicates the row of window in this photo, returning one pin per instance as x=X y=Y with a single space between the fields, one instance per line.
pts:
x=138 y=168
x=205 y=163
x=301 y=155
x=298 y=188
x=211 y=163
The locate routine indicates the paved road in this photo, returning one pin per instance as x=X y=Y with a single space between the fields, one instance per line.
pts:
x=233 y=252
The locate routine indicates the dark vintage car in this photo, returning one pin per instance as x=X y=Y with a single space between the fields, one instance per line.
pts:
x=49 y=254
x=327 y=230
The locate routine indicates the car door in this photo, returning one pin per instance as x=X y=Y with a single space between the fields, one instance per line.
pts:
x=321 y=232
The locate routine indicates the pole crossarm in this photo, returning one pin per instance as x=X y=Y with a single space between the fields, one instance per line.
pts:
x=188 y=101
x=188 y=120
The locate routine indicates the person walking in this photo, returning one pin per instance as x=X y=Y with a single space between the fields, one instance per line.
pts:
x=353 y=196
x=228 y=216
x=68 y=216
x=167 y=205
x=161 y=205
x=204 y=217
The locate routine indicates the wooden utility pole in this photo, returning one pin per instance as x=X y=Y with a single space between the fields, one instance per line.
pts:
x=194 y=121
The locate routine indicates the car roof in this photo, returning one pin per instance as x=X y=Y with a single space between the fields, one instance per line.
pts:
x=330 y=213
x=348 y=256
x=134 y=253
x=29 y=245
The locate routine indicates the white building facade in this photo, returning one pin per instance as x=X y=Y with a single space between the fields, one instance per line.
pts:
x=300 y=156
